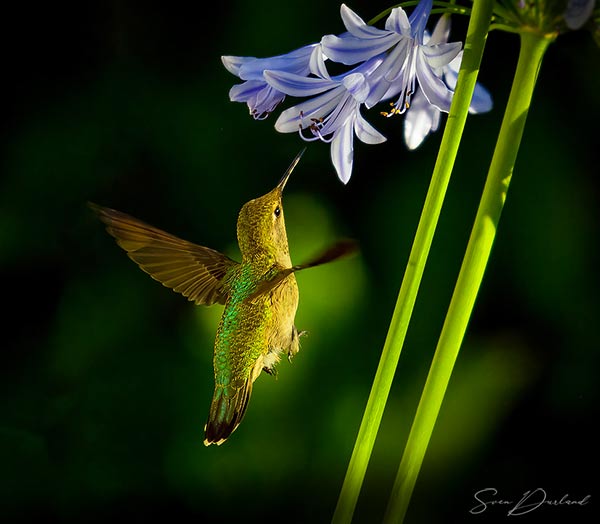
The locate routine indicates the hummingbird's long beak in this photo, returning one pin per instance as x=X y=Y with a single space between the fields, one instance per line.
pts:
x=289 y=170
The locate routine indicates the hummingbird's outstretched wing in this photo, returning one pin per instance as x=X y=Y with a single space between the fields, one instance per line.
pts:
x=196 y=272
x=340 y=249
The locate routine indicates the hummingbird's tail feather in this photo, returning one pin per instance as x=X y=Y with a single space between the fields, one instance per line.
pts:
x=226 y=412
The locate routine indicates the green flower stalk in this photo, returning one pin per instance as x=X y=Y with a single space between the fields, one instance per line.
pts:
x=474 y=45
x=416 y=71
x=533 y=47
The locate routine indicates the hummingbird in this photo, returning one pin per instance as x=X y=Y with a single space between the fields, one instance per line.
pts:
x=260 y=293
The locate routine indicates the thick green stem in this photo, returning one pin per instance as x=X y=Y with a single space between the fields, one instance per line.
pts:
x=474 y=45
x=469 y=280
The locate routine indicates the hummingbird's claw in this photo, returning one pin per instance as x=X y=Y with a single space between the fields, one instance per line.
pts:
x=270 y=371
x=295 y=344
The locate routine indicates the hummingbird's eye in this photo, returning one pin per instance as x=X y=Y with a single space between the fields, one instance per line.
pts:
x=277 y=211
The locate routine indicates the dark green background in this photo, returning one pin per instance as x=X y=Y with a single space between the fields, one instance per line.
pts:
x=106 y=377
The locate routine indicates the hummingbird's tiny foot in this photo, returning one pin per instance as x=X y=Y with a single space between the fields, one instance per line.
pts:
x=293 y=351
x=270 y=371
x=294 y=346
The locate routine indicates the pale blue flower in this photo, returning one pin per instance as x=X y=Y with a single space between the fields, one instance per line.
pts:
x=399 y=62
x=262 y=98
x=333 y=116
x=406 y=58
x=422 y=117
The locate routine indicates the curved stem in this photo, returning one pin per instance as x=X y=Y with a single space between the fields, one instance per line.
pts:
x=469 y=280
x=474 y=45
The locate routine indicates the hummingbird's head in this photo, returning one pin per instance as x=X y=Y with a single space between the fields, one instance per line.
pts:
x=261 y=226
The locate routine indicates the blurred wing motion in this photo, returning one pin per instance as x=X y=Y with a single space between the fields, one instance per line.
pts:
x=197 y=272
x=340 y=249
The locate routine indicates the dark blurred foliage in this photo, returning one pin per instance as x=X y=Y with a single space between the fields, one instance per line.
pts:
x=106 y=376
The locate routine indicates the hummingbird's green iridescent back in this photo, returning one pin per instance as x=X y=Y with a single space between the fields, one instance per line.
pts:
x=251 y=335
x=260 y=294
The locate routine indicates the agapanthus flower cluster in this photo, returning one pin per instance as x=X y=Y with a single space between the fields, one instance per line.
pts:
x=414 y=71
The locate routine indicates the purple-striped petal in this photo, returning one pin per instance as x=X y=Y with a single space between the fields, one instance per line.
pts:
x=419 y=121
x=440 y=55
x=296 y=85
x=342 y=151
x=296 y=61
x=316 y=64
x=441 y=31
x=233 y=63
x=366 y=132
x=349 y=50
x=418 y=19
x=396 y=61
x=356 y=26
x=433 y=87
x=398 y=22
x=260 y=97
x=356 y=85
x=299 y=116
x=241 y=92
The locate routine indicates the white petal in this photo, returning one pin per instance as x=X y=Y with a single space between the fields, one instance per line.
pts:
x=398 y=22
x=396 y=62
x=294 y=62
x=387 y=80
x=342 y=151
x=317 y=63
x=441 y=55
x=366 y=132
x=441 y=31
x=349 y=50
x=379 y=92
x=437 y=116
x=418 y=19
x=433 y=87
x=419 y=121
x=451 y=71
x=356 y=26
x=233 y=63
x=296 y=85
x=356 y=85
x=242 y=92
x=341 y=114
x=289 y=121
